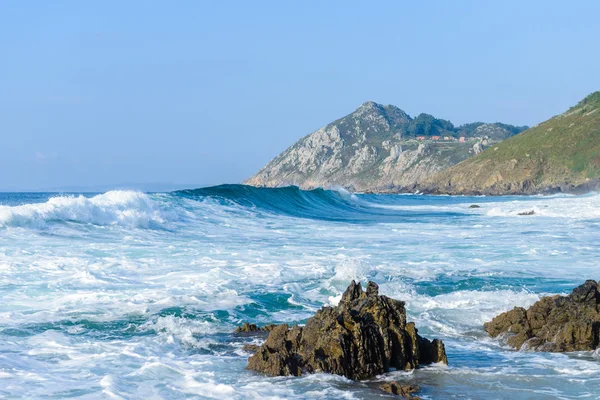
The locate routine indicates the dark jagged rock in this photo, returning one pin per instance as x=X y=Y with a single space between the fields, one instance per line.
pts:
x=527 y=213
x=398 y=389
x=365 y=335
x=277 y=356
x=555 y=324
x=246 y=328
x=253 y=328
x=431 y=351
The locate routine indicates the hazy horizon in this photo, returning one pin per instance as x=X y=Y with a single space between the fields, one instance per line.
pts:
x=157 y=187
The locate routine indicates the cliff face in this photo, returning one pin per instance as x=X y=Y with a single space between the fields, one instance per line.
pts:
x=558 y=155
x=378 y=148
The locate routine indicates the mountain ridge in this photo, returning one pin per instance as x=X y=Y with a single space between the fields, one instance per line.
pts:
x=378 y=148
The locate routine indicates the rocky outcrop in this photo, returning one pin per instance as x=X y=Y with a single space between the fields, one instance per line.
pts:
x=251 y=348
x=253 y=328
x=398 y=389
x=555 y=324
x=365 y=335
x=377 y=148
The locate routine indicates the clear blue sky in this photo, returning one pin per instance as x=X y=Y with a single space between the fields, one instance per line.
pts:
x=198 y=92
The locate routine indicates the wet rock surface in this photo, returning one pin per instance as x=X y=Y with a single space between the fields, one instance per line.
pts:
x=554 y=324
x=365 y=335
x=253 y=328
x=398 y=389
x=251 y=348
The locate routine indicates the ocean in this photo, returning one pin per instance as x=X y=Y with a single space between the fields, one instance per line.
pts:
x=135 y=295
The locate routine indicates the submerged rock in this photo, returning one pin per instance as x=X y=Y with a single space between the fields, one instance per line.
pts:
x=556 y=324
x=527 y=213
x=253 y=328
x=474 y=206
x=365 y=335
x=398 y=389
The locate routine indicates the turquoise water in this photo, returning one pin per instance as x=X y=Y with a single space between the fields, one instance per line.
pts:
x=133 y=295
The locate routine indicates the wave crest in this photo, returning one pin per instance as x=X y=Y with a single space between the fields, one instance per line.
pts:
x=321 y=204
x=119 y=207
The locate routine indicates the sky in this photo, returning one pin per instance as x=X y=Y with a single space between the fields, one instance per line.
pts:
x=194 y=93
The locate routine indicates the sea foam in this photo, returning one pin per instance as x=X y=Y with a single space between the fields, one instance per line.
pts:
x=125 y=208
x=571 y=207
x=93 y=306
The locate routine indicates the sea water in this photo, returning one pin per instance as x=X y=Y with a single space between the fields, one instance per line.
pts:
x=133 y=295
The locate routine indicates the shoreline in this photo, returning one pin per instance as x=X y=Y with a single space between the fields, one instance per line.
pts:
x=416 y=189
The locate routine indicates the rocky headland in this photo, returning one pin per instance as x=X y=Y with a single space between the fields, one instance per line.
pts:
x=378 y=148
x=381 y=149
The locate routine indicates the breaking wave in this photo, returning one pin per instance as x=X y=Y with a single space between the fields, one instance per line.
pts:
x=125 y=208
x=321 y=204
x=131 y=209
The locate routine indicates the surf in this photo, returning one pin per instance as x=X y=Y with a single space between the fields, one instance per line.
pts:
x=124 y=208
x=320 y=204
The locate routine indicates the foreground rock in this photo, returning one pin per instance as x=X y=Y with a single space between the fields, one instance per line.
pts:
x=558 y=323
x=365 y=335
x=405 y=391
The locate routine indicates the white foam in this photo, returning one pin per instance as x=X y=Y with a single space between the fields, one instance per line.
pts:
x=125 y=208
x=183 y=290
x=206 y=389
x=176 y=329
x=571 y=207
x=108 y=387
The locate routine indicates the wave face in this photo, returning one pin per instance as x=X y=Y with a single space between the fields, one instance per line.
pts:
x=327 y=205
x=286 y=200
x=130 y=209
x=127 y=294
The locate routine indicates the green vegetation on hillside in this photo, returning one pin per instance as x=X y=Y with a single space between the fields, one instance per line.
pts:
x=560 y=154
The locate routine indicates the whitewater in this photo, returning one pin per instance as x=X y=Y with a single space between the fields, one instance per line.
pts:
x=130 y=295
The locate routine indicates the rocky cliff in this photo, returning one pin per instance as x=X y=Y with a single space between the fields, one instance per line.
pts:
x=558 y=155
x=378 y=148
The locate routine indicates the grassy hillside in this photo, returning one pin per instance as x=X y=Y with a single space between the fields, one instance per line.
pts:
x=561 y=154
